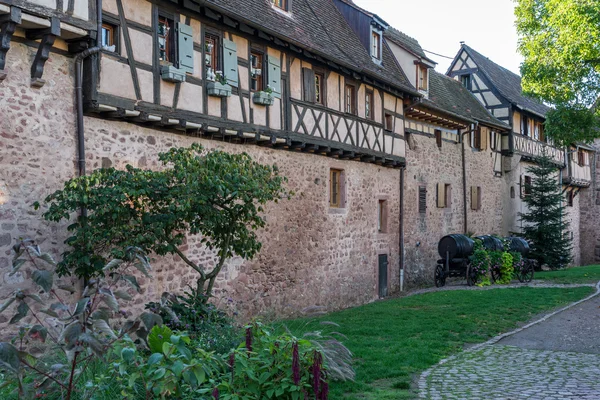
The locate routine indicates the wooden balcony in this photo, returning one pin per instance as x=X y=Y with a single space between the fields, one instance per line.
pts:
x=578 y=175
x=531 y=148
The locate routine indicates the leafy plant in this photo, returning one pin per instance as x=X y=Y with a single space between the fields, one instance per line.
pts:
x=85 y=333
x=215 y=194
x=506 y=269
x=480 y=264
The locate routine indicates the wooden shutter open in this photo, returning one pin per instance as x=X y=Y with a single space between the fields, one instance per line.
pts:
x=477 y=141
x=484 y=139
x=308 y=77
x=275 y=76
x=230 y=62
x=441 y=195
x=438 y=138
x=474 y=198
x=185 y=47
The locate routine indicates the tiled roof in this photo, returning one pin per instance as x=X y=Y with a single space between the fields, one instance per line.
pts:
x=506 y=82
x=406 y=42
x=317 y=26
x=450 y=95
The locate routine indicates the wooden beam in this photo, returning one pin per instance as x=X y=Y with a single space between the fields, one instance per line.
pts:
x=47 y=36
x=8 y=26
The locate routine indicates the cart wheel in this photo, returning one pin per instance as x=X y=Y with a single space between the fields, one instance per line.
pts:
x=440 y=276
x=471 y=277
x=495 y=275
x=526 y=274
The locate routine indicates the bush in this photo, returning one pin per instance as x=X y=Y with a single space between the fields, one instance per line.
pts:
x=480 y=264
x=208 y=327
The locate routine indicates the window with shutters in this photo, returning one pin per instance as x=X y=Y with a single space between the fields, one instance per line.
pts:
x=369 y=112
x=166 y=40
x=444 y=195
x=256 y=71
x=422 y=199
x=475 y=198
x=319 y=88
x=350 y=99
x=336 y=188
x=212 y=53
x=382 y=211
x=389 y=122
x=476 y=139
x=438 y=138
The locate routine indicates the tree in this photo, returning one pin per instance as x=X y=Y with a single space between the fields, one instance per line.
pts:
x=214 y=194
x=560 y=41
x=545 y=226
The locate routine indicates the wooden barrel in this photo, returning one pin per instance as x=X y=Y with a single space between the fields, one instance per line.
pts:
x=519 y=245
x=491 y=243
x=457 y=246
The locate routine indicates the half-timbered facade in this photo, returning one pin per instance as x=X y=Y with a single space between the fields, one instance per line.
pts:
x=276 y=80
x=499 y=90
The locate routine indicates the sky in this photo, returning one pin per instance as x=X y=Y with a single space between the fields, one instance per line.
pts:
x=440 y=25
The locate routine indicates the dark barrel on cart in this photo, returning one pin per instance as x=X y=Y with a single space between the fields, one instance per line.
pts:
x=491 y=243
x=456 y=246
x=518 y=245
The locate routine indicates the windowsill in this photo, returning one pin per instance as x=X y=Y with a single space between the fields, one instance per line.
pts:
x=337 y=210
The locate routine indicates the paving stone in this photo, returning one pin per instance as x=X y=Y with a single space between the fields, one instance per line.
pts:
x=511 y=373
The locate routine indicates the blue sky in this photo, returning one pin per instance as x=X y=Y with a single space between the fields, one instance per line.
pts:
x=440 y=26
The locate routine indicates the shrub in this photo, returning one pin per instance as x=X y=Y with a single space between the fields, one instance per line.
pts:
x=480 y=264
x=86 y=334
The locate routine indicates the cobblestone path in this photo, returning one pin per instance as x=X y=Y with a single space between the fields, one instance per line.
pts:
x=510 y=373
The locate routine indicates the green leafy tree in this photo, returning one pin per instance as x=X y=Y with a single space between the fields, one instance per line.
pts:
x=545 y=225
x=560 y=41
x=214 y=194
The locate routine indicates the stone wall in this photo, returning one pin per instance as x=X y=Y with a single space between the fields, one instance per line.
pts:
x=311 y=255
x=429 y=165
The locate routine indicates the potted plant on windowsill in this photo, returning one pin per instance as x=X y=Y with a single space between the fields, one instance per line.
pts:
x=264 y=97
x=219 y=87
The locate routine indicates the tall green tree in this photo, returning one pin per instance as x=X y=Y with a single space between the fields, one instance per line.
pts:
x=214 y=194
x=560 y=41
x=544 y=224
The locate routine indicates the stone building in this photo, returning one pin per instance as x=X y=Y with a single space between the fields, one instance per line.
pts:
x=384 y=154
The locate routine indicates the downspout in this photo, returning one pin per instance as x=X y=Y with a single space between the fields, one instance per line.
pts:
x=401 y=228
x=79 y=92
x=464 y=177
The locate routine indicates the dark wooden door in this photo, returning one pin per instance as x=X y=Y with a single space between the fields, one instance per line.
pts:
x=383 y=275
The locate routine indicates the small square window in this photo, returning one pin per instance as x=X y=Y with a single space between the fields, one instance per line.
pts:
x=109 y=37
x=350 y=99
x=256 y=72
x=389 y=122
x=336 y=188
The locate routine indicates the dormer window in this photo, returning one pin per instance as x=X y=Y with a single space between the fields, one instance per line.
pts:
x=466 y=81
x=281 y=4
x=376 y=45
x=422 y=78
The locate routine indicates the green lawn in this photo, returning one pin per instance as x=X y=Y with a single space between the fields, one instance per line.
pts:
x=589 y=274
x=395 y=339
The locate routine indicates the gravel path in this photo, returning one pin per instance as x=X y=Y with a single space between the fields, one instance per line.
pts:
x=556 y=357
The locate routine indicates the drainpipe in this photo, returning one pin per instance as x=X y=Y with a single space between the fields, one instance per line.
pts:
x=464 y=177
x=401 y=233
x=79 y=93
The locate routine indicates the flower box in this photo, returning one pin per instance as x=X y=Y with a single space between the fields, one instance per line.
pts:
x=171 y=74
x=218 y=89
x=263 y=98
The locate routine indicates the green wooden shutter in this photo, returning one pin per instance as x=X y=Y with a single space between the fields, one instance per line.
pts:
x=275 y=76
x=185 y=47
x=308 y=76
x=230 y=62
